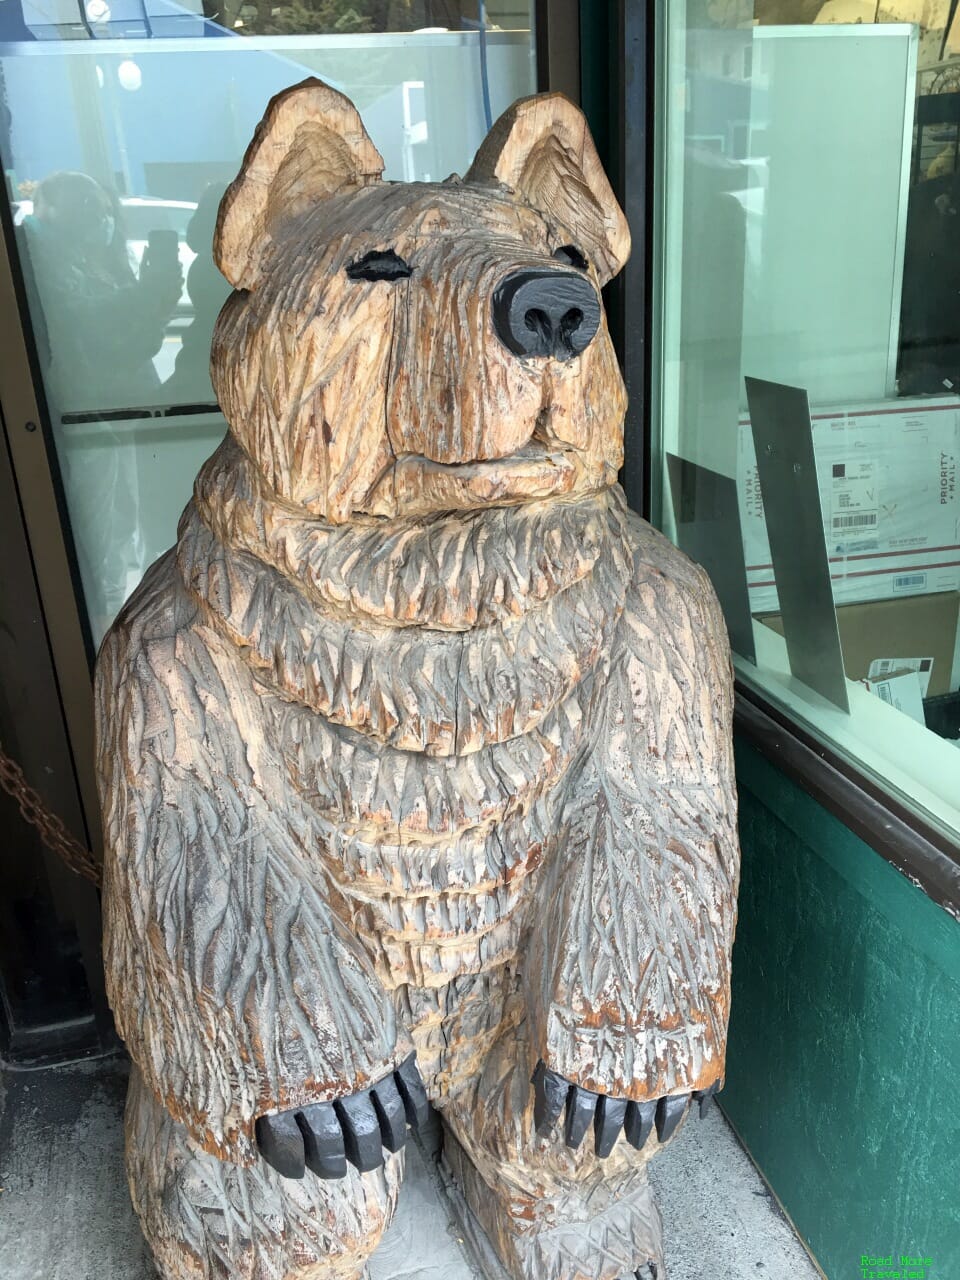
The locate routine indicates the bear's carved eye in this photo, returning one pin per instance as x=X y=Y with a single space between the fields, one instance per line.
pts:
x=572 y=256
x=379 y=264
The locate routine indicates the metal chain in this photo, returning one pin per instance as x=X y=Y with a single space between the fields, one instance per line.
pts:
x=52 y=831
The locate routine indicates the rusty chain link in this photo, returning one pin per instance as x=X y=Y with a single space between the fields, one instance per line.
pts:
x=52 y=831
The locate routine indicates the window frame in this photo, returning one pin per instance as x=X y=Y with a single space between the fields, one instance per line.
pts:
x=920 y=850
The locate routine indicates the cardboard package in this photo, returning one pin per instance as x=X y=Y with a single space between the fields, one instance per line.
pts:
x=903 y=691
x=887 y=637
x=887 y=476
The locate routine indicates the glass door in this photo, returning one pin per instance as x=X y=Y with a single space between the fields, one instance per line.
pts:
x=124 y=121
x=121 y=123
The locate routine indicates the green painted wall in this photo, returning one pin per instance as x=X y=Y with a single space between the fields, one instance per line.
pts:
x=842 y=1071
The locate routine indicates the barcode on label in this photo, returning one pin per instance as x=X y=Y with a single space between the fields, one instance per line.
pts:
x=885 y=668
x=883 y=692
x=904 y=581
x=862 y=520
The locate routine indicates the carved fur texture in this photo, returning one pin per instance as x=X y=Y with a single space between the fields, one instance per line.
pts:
x=418 y=738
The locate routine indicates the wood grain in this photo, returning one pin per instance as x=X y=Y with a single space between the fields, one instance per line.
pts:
x=419 y=737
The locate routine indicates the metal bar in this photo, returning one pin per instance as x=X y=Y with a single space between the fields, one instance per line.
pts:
x=707 y=517
x=33 y=456
x=557 y=40
x=135 y=48
x=630 y=296
x=33 y=728
x=780 y=420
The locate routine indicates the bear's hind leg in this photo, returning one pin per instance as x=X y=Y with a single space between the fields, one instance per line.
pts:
x=550 y=1212
x=206 y=1219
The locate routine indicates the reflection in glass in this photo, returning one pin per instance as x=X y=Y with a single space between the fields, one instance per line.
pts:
x=205 y=292
x=116 y=152
x=810 y=174
x=102 y=320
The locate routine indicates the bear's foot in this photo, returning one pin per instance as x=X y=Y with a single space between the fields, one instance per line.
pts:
x=576 y=1230
x=324 y=1136
x=607 y=1115
x=206 y=1219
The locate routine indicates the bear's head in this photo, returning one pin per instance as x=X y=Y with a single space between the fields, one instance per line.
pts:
x=408 y=348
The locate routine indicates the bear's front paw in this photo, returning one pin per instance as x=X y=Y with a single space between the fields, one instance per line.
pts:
x=323 y=1136
x=608 y=1115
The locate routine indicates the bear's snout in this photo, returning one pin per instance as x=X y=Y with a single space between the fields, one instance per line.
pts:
x=546 y=313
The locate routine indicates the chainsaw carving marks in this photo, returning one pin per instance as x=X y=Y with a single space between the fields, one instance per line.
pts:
x=418 y=741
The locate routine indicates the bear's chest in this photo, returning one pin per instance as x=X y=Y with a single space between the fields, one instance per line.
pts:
x=427 y=719
x=431 y=858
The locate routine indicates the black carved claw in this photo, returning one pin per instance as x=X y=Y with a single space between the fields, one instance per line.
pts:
x=553 y=1094
x=412 y=1092
x=549 y=1095
x=324 y=1136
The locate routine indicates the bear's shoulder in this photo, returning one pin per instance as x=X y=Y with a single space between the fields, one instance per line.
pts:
x=164 y=678
x=671 y=618
x=143 y=639
x=666 y=710
x=657 y=559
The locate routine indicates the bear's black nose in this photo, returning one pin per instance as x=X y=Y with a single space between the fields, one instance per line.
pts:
x=545 y=313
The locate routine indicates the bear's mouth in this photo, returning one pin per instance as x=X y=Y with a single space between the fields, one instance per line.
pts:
x=415 y=485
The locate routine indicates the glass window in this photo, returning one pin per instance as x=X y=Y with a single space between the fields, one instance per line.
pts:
x=123 y=122
x=807 y=371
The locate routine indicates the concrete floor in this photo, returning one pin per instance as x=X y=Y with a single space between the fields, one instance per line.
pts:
x=64 y=1212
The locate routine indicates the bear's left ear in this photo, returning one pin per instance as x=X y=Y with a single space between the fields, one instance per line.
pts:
x=541 y=148
x=310 y=144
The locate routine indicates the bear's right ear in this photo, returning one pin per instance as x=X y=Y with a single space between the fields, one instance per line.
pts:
x=541 y=148
x=310 y=144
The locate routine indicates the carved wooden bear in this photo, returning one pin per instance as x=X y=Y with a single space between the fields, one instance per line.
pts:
x=419 y=741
